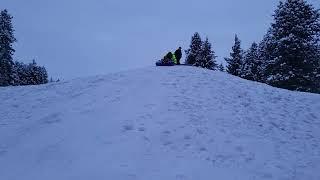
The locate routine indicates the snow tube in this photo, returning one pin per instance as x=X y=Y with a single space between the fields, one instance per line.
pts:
x=159 y=63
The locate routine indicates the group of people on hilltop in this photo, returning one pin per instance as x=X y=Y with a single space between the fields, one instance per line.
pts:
x=171 y=59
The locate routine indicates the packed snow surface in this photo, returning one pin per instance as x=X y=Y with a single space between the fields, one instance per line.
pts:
x=159 y=123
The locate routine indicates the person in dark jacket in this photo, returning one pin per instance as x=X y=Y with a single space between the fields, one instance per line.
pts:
x=178 y=54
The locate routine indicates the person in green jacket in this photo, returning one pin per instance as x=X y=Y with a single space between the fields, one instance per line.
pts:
x=174 y=59
x=170 y=57
x=167 y=58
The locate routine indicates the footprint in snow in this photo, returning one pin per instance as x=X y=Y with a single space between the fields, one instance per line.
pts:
x=187 y=137
x=3 y=151
x=142 y=129
x=203 y=149
x=128 y=127
x=167 y=143
x=239 y=149
x=15 y=105
x=187 y=145
x=313 y=116
x=51 y=119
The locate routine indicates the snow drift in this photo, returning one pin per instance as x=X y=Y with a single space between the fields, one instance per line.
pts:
x=158 y=123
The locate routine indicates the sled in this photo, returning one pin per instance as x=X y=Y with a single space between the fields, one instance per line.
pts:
x=159 y=63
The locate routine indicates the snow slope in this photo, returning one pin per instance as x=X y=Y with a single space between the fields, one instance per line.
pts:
x=166 y=123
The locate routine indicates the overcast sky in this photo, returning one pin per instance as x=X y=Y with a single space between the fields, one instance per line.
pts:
x=76 y=38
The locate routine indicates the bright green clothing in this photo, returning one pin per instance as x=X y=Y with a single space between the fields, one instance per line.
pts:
x=174 y=59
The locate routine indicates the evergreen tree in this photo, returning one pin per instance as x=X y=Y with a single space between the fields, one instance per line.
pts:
x=30 y=74
x=221 y=67
x=317 y=76
x=194 y=50
x=44 y=75
x=264 y=53
x=292 y=62
x=251 y=68
x=206 y=57
x=37 y=74
x=6 y=50
x=21 y=71
x=235 y=59
x=15 y=75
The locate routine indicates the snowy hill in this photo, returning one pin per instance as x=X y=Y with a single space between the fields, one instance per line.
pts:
x=158 y=124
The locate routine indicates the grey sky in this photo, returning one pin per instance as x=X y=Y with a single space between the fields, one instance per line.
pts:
x=75 y=38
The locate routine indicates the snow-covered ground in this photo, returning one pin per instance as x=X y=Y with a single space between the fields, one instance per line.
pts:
x=155 y=123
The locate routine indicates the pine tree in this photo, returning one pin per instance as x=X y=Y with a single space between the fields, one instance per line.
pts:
x=317 y=76
x=251 y=67
x=15 y=75
x=221 y=67
x=194 y=50
x=30 y=74
x=292 y=62
x=206 y=57
x=44 y=75
x=6 y=50
x=37 y=74
x=264 y=53
x=20 y=69
x=235 y=59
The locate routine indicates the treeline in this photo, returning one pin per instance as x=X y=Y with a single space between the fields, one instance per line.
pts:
x=16 y=73
x=287 y=57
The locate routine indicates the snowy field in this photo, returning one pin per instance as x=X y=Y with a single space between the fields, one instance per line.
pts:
x=170 y=123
